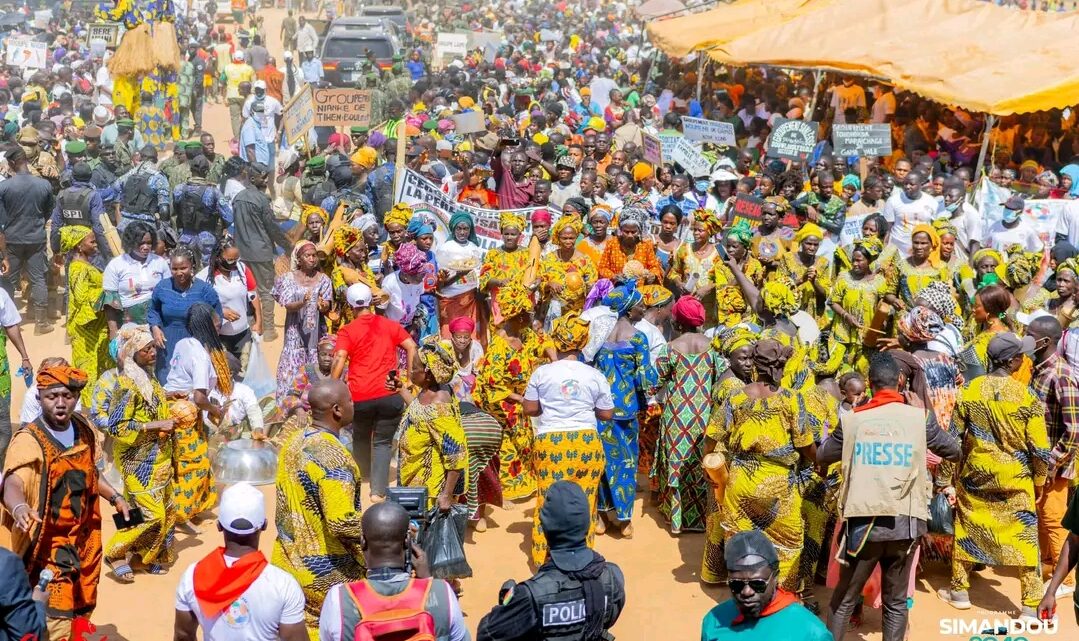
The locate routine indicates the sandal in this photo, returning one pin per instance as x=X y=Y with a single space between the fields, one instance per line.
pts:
x=157 y=568
x=122 y=572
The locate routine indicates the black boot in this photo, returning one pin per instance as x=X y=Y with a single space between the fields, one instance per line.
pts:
x=42 y=324
x=55 y=305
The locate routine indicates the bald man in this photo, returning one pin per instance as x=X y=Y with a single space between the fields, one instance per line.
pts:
x=1056 y=384
x=385 y=534
x=319 y=527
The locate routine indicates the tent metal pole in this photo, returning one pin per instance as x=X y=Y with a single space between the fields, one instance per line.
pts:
x=818 y=75
x=700 y=72
x=990 y=122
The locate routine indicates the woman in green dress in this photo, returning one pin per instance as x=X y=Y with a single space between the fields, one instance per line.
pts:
x=86 y=324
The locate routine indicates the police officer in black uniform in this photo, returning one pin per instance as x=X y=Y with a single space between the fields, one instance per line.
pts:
x=575 y=596
x=80 y=204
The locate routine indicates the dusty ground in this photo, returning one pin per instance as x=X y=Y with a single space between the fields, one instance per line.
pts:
x=665 y=599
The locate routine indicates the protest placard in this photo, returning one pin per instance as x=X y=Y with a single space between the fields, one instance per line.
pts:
x=550 y=35
x=342 y=107
x=862 y=140
x=299 y=115
x=1044 y=213
x=792 y=139
x=747 y=208
x=652 y=149
x=713 y=131
x=486 y=41
x=109 y=32
x=667 y=143
x=469 y=122
x=426 y=197
x=686 y=154
x=852 y=229
x=448 y=46
x=26 y=53
x=42 y=18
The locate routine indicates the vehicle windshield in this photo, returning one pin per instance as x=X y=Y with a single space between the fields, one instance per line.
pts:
x=357 y=48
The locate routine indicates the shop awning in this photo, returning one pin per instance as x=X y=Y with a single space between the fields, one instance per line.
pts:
x=958 y=52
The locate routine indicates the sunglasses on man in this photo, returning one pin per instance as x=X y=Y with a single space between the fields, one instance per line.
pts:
x=757 y=585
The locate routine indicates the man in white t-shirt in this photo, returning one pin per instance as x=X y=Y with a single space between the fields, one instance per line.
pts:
x=234 y=594
x=847 y=96
x=883 y=111
x=1014 y=229
x=909 y=208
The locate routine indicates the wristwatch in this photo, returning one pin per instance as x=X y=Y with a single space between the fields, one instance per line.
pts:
x=113 y=499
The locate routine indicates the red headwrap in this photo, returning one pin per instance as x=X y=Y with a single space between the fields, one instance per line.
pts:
x=541 y=216
x=688 y=311
x=462 y=324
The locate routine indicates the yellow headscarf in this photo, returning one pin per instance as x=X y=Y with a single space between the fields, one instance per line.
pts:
x=365 y=157
x=778 y=297
x=345 y=238
x=655 y=295
x=569 y=332
x=512 y=299
x=734 y=338
x=569 y=221
x=315 y=210
x=71 y=236
x=510 y=219
x=808 y=230
x=708 y=218
x=934 y=241
x=400 y=214
x=439 y=359
x=1000 y=270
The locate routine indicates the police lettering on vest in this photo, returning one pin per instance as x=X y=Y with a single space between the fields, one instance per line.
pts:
x=564 y=613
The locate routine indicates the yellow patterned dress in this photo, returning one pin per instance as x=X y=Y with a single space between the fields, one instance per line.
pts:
x=846 y=346
x=763 y=489
x=432 y=444
x=905 y=280
x=194 y=489
x=1005 y=456
x=501 y=265
x=505 y=370
x=713 y=568
x=818 y=494
x=576 y=276
x=318 y=517
x=145 y=461
x=693 y=270
x=86 y=323
x=791 y=266
x=731 y=306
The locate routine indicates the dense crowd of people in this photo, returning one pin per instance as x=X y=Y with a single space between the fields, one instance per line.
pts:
x=584 y=316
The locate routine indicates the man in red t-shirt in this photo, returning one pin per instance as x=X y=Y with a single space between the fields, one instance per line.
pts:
x=370 y=345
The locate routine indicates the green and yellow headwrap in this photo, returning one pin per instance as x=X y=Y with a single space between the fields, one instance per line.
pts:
x=1071 y=264
x=778 y=297
x=734 y=338
x=741 y=232
x=510 y=219
x=987 y=252
x=400 y=214
x=71 y=236
x=439 y=359
x=871 y=245
x=567 y=221
x=569 y=332
x=1021 y=265
x=708 y=219
x=944 y=227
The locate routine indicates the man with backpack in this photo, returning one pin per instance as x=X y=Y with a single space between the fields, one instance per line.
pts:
x=390 y=601
x=575 y=596
x=143 y=192
x=80 y=204
x=201 y=210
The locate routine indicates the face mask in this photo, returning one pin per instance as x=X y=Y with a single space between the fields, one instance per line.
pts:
x=701 y=186
x=1011 y=215
x=229 y=265
x=952 y=208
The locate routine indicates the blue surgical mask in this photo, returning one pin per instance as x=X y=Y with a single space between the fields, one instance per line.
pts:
x=701 y=186
x=952 y=207
x=1010 y=215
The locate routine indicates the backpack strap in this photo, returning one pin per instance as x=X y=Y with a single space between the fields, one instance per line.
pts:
x=368 y=601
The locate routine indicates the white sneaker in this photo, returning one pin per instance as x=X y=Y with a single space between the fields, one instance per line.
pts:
x=1062 y=591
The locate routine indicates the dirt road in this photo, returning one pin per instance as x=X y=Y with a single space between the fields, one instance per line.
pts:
x=664 y=598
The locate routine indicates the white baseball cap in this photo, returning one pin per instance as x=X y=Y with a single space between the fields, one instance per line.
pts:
x=242 y=509
x=260 y=84
x=288 y=55
x=444 y=145
x=238 y=55
x=1027 y=318
x=358 y=295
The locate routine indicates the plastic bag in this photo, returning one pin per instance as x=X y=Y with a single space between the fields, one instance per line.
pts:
x=443 y=541
x=941 y=515
x=259 y=376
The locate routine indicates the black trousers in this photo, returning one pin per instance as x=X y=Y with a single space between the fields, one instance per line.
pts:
x=373 y=427
x=895 y=559
x=31 y=259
